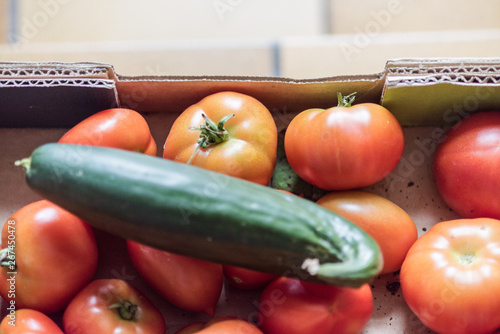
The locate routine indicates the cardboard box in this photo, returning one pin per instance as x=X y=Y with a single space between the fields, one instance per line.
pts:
x=427 y=96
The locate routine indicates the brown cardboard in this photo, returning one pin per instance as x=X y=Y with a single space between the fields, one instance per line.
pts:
x=174 y=94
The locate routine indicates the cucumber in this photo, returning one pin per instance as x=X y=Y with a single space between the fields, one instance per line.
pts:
x=206 y=215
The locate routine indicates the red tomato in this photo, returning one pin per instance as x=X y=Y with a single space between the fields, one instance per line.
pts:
x=246 y=279
x=55 y=255
x=389 y=225
x=191 y=328
x=112 y=306
x=450 y=277
x=344 y=147
x=118 y=128
x=187 y=283
x=26 y=321
x=466 y=166
x=239 y=139
x=291 y=306
x=229 y=325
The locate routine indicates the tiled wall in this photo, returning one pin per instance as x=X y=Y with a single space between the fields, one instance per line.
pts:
x=292 y=38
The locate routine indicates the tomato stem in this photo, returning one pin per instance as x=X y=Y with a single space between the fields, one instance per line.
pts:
x=126 y=309
x=26 y=163
x=211 y=133
x=345 y=101
x=8 y=258
x=467 y=258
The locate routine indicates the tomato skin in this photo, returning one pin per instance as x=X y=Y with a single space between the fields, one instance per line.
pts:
x=449 y=278
x=344 y=148
x=292 y=306
x=118 y=128
x=91 y=310
x=56 y=255
x=191 y=328
x=187 y=283
x=246 y=279
x=388 y=224
x=229 y=325
x=250 y=151
x=466 y=166
x=26 y=321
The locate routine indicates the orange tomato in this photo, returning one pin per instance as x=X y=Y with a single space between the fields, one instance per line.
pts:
x=50 y=255
x=388 y=224
x=26 y=321
x=450 y=277
x=187 y=283
x=292 y=306
x=228 y=325
x=246 y=279
x=226 y=132
x=118 y=128
x=344 y=147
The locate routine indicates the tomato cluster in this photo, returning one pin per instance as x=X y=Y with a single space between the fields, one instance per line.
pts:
x=444 y=274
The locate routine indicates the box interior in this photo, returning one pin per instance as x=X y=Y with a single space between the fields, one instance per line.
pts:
x=39 y=102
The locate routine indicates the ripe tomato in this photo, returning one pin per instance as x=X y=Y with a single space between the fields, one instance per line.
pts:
x=389 y=225
x=344 y=147
x=187 y=283
x=228 y=325
x=239 y=138
x=119 y=128
x=246 y=279
x=26 y=321
x=48 y=256
x=449 y=278
x=466 y=166
x=191 y=328
x=292 y=306
x=112 y=306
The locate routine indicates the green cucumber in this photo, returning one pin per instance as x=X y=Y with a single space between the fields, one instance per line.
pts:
x=191 y=211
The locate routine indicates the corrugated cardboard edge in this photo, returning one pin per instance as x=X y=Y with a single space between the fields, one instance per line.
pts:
x=440 y=91
x=54 y=94
x=420 y=91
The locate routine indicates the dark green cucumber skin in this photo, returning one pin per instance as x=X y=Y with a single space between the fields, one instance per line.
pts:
x=191 y=211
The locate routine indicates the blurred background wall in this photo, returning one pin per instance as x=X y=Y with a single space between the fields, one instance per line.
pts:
x=288 y=38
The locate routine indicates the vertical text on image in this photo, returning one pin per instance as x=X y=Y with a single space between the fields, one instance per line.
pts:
x=8 y=260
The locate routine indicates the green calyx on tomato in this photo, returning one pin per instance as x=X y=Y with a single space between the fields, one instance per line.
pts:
x=211 y=133
x=345 y=101
x=7 y=258
x=126 y=310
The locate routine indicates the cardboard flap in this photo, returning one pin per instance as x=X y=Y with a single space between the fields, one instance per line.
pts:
x=440 y=91
x=54 y=94
x=175 y=93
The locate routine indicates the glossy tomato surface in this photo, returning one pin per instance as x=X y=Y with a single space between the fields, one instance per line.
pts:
x=291 y=306
x=229 y=325
x=118 y=128
x=450 y=276
x=27 y=321
x=112 y=306
x=54 y=254
x=246 y=279
x=344 y=147
x=187 y=283
x=387 y=223
x=466 y=166
x=245 y=144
